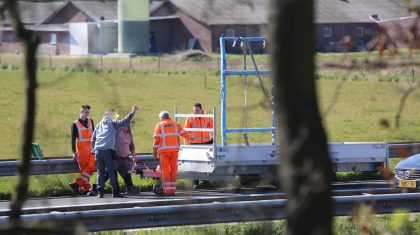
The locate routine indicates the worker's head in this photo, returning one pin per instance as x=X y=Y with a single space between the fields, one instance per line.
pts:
x=197 y=108
x=84 y=111
x=112 y=113
x=164 y=115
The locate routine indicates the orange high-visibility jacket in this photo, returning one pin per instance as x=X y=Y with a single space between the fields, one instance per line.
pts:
x=84 y=137
x=199 y=122
x=167 y=136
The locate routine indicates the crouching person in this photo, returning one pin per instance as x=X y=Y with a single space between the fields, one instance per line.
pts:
x=103 y=143
x=124 y=145
x=166 y=142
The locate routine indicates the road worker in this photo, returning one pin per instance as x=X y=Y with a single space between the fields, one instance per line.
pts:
x=103 y=143
x=203 y=137
x=166 y=142
x=124 y=146
x=81 y=133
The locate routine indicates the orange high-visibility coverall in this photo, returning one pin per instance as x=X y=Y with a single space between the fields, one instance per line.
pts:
x=86 y=159
x=166 y=143
x=199 y=122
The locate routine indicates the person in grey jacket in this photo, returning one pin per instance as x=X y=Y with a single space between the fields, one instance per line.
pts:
x=103 y=143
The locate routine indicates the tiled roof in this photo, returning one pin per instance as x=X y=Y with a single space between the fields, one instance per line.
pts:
x=256 y=11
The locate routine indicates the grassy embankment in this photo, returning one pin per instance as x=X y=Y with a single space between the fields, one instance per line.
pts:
x=355 y=225
x=366 y=98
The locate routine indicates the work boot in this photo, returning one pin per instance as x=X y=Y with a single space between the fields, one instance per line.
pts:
x=100 y=193
x=116 y=193
x=131 y=191
x=195 y=184
x=206 y=184
x=93 y=191
x=74 y=188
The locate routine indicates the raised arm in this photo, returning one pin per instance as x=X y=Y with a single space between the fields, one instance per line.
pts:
x=126 y=120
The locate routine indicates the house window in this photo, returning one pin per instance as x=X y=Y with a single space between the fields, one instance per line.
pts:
x=230 y=32
x=327 y=32
x=53 y=38
x=359 y=32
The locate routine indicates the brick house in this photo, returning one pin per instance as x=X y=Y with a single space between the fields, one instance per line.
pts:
x=185 y=21
x=198 y=24
x=50 y=22
x=357 y=19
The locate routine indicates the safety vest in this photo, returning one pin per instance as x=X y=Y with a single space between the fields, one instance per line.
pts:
x=84 y=137
x=196 y=122
x=167 y=136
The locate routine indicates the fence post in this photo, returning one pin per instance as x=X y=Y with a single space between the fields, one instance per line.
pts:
x=205 y=81
x=131 y=62
x=102 y=62
x=159 y=62
x=49 y=62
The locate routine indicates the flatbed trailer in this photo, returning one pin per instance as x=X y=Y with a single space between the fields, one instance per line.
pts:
x=223 y=162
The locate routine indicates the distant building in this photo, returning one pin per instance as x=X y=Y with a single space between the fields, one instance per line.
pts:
x=357 y=19
x=198 y=24
x=195 y=24
x=50 y=21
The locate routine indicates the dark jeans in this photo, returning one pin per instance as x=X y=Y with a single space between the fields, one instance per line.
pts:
x=106 y=164
x=123 y=163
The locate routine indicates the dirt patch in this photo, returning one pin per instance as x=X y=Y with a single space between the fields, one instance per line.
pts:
x=190 y=56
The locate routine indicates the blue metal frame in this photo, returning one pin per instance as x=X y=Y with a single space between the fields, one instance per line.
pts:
x=223 y=74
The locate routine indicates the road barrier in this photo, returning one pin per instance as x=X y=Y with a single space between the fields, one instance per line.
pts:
x=61 y=165
x=221 y=212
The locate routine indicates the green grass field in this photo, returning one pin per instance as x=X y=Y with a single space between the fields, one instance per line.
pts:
x=367 y=99
x=362 y=224
x=356 y=116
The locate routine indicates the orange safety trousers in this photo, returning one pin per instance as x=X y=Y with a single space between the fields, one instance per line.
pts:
x=87 y=166
x=169 y=167
x=86 y=159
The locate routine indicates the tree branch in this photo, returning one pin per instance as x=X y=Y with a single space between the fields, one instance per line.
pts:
x=404 y=96
x=30 y=43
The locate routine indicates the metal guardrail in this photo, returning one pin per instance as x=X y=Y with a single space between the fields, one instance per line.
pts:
x=146 y=217
x=182 y=200
x=60 y=166
x=67 y=165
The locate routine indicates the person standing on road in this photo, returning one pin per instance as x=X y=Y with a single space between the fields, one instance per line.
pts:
x=202 y=137
x=81 y=133
x=166 y=142
x=103 y=143
x=124 y=145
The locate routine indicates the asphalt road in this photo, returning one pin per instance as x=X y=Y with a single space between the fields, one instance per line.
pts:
x=147 y=199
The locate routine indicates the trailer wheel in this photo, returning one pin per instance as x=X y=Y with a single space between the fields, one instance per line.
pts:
x=276 y=183
x=249 y=181
x=158 y=189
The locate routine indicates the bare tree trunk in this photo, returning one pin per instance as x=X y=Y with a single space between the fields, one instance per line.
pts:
x=30 y=43
x=306 y=168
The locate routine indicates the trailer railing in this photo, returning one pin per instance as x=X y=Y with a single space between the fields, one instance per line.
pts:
x=206 y=115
